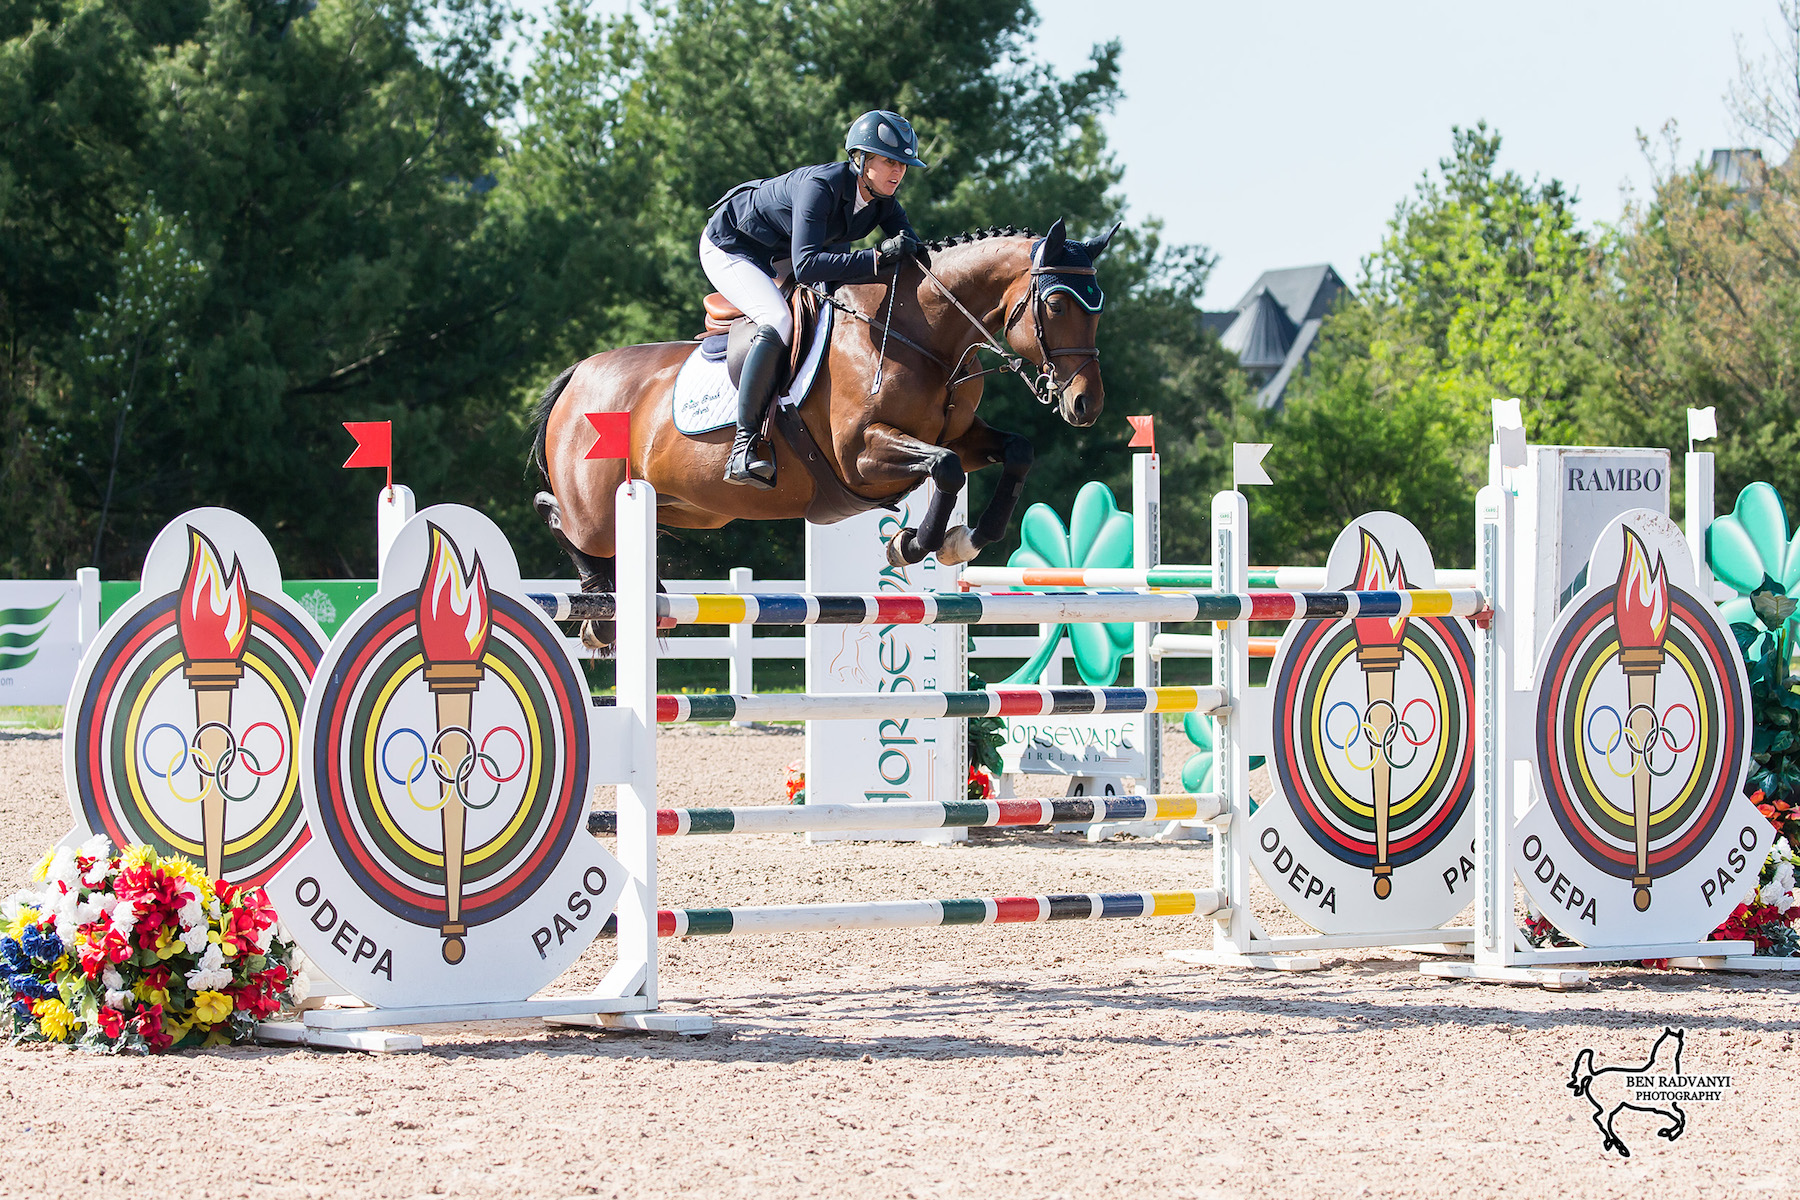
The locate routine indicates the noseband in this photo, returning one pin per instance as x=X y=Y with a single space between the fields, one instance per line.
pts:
x=1047 y=389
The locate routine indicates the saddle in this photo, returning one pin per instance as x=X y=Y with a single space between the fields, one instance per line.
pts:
x=727 y=336
x=728 y=331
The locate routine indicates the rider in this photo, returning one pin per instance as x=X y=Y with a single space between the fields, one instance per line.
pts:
x=804 y=222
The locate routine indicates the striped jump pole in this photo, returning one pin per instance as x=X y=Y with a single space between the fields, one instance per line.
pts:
x=1286 y=579
x=1019 y=608
x=1035 y=701
x=966 y=814
x=923 y=914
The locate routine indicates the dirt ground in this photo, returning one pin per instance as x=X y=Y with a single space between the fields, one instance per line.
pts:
x=1023 y=1061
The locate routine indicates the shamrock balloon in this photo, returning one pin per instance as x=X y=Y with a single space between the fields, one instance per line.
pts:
x=1098 y=535
x=1750 y=543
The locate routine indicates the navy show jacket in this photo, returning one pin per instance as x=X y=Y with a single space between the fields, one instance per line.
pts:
x=809 y=216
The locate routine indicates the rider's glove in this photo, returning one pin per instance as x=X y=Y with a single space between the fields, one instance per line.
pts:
x=899 y=250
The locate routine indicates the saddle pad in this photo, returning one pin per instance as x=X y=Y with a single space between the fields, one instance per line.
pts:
x=705 y=399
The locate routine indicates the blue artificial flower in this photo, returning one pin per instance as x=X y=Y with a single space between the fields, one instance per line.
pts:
x=22 y=1010
x=41 y=944
x=12 y=957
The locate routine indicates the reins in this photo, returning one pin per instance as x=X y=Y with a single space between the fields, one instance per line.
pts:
x=1044 y=387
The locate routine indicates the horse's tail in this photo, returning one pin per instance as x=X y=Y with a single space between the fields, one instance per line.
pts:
x=1580 y=1078
x=540 y=419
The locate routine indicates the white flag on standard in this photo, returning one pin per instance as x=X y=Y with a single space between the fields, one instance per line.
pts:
x=1246 y=463
x=1703 y=423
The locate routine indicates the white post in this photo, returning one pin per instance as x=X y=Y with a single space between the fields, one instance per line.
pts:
x=394 y=507
x=1146 y=552
x=87 y=623
x=635 y=671
x=1699 y=515
x=1231 y=748
x=1494 y=924
x=743 y=658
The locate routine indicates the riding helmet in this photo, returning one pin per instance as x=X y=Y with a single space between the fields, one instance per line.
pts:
x=885 y=133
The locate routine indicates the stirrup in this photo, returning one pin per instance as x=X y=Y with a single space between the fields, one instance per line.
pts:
x=746 y=467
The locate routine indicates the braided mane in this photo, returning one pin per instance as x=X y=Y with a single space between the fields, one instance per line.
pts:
x=977 y=235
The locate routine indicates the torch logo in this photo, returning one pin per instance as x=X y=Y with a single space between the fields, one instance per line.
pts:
x=1372 y=753
x=1641 y=748
x=446 y=749
x=186 y=710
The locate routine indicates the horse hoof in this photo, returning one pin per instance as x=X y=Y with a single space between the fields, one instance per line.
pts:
x=592 y=637
x=548 y=509
x=903 y=550
x=959 y=547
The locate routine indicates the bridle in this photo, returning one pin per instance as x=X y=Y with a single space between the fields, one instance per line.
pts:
x=1044 y=386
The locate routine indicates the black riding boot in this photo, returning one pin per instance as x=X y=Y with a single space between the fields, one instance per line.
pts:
x=763 y=363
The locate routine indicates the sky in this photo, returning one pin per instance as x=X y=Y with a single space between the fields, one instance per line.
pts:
x=1284 y=135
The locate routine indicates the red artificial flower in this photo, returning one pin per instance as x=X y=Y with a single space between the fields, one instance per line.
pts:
x=112 y=1021
x=149 y=1024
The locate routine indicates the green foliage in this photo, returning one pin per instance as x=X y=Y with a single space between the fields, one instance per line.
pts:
x=986 y=735
x=1477 y=292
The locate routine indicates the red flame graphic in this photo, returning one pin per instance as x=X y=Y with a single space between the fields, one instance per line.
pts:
x=1375 y=572
x=214 y=619
x=1641 y=602
x=453 y=605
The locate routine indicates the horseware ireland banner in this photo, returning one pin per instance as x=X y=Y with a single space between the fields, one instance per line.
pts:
x=446 y=752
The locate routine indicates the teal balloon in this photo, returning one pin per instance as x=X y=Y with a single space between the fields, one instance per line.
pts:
x=1752 y=541
x=1097 y=535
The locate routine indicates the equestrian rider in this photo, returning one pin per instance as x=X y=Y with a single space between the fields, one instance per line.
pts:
x=804 y=223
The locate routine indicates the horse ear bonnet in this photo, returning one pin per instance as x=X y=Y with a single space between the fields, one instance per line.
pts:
x=1055 y=250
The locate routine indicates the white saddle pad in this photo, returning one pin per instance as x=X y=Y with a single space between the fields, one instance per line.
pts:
x=705 y=399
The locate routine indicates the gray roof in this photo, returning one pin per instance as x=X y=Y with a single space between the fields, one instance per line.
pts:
x=1262 y=333
x=1274 y=326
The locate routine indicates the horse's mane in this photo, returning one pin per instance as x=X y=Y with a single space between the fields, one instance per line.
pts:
x=978 y=235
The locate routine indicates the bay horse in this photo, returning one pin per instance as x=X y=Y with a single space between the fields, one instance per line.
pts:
x=893 y=404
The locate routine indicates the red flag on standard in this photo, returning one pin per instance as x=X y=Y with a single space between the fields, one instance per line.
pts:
x=614 y=435
x=1143 y=433
x=374 y=445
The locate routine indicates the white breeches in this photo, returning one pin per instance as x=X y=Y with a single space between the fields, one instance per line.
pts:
x=743 y=283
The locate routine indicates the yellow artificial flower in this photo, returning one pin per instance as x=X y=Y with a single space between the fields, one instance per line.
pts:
x=168 y=943
x=42 y=870
x=27 y=917
x=177 y=864
x=218 y=1037
x=54 y=1018
x=211 y=1007
x=139 y=855
x=148 y=994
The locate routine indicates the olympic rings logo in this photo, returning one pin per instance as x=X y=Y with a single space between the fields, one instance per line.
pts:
x=237 y=752
x=458 y=775
x=1399 y=732
x=1642 y=749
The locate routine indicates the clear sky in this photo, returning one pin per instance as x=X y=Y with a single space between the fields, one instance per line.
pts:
x=1284 y=134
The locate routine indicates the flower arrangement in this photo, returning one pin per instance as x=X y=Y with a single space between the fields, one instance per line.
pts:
x=133 y=952
x=796 y=781
x=981 y=784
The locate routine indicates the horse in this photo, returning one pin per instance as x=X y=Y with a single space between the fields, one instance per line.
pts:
x=893 y=404
x=1584 y=1079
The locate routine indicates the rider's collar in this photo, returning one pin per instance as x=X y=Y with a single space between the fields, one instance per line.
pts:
x=1074 y=275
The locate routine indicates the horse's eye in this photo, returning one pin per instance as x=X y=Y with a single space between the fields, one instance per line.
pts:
x=1055 y=306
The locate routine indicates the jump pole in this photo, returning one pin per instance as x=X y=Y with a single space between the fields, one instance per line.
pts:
x=965 y=814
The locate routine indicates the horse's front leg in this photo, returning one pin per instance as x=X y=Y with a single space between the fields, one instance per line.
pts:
x=891 y=456
x=983 y=446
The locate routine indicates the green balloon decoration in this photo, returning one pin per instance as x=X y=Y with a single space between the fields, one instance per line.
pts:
x=1098 y=536
x=1197 y=773
x=1753 y=541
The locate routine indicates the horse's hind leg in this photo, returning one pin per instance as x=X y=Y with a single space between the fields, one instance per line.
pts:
x=1612 y=1140
x=595 y=573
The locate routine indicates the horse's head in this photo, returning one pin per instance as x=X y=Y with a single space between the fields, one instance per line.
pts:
x=1056 y=320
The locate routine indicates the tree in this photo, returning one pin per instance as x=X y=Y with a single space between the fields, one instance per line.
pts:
x=1478 y=291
